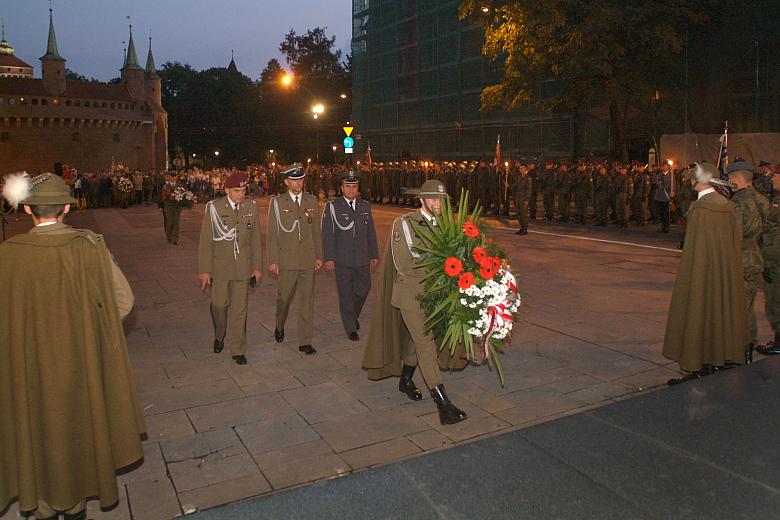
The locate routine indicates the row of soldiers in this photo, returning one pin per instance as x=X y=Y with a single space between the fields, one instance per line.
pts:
x=614 y=191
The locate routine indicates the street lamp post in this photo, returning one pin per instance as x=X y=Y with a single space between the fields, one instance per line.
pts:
x=316 y=111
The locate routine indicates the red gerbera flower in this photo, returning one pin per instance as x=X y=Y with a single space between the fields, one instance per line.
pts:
x=453 y=267
x=470 y=229
x=487 y=272
x=496 y=262
x=479 y=254
x=466 y=280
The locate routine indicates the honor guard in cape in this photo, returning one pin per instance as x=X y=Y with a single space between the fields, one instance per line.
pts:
x=349 y=248
x=230 y=260
x=69 y=410
x=294 y=244
x=398 y=341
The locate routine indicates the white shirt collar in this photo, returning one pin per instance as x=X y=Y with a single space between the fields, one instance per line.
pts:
x=705 y=192
x=233 y=205
x=42 y=224
x=299 y=196
x=353 y=201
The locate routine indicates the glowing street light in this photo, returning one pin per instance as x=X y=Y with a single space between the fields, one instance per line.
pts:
x=317 y=109
x=286 y=79
x=343 y=96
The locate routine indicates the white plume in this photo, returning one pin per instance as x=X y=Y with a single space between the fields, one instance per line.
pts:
x=17 y=188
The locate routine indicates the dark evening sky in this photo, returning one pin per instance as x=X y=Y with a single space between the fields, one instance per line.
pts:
x=199 y=32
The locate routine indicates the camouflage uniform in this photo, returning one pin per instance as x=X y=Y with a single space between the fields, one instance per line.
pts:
x=564 y=186
x=770 y=250
x=752 y=212
x=583 y=186
x=547 y=184
x=602 y=190
x=623 y=192
x=521 y=190
x=641 y=187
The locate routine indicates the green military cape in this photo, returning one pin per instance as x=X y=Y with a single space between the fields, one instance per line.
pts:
x=388 y=336
x=708 y=321
x=69 y=412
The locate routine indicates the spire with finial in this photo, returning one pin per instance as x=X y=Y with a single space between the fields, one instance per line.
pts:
x=5 y=48
x=51 y=48
x=131 y=58
x=232 y=66
x=151 y=70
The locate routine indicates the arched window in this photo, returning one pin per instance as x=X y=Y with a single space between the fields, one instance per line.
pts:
x=113 y=105
x=67 y=102
x=34 y=101
x=86 y=103
x=44 y=101
x=116 y=138
x=76 y=137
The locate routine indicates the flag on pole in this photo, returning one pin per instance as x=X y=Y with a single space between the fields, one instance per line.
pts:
x=498 y=153
x=368 y=154
x=723 y=153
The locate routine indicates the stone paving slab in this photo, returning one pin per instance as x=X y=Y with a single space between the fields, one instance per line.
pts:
x=286 y=419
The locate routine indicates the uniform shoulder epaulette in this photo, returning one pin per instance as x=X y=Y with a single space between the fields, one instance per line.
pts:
x=89 y=235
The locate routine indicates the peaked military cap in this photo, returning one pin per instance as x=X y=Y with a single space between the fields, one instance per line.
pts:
x=349 y=177
x=294 y=173
x=432 y=189
x=740 y=166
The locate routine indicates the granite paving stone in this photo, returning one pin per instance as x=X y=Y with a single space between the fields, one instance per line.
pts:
x=566 y=355
x=381 y=453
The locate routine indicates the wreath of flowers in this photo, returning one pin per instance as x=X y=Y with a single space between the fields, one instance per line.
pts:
x=470 y=292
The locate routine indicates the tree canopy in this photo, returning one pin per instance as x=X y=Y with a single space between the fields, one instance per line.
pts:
x=219 y=110
x=620 y=54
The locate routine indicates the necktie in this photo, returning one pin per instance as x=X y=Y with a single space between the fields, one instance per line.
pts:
x=352 y=205
x=297 y=201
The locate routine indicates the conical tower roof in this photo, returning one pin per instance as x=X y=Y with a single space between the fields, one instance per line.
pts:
x=51 y=48
x=151 y=69
x=232 y=65
x=131 y=58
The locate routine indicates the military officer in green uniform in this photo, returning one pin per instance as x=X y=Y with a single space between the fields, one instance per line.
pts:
x=171 y=209
x=752 y=212
x=547 y=183
x=398 y=339
x=583 y=186
x=623 y=192
x=69 y=410
x=229 y=255
x=521 y=190
x=349 y=247
x=565 y=183
x=602 y=189
x=294 y=245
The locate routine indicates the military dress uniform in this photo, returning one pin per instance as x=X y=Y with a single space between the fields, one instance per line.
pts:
x=770 y=250
x=401 y=295
x=229 y=249
x=522 y=191
x=349 y=240
x=294 y=243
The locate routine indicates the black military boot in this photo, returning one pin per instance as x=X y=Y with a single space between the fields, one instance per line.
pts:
x=407 y=386
x=749 y=353
x=448 y=412
x=772 y=348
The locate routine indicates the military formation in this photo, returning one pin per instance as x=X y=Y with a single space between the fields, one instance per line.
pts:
x=581 y=192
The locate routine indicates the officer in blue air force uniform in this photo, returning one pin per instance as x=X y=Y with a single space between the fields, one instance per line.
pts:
x=349 y=247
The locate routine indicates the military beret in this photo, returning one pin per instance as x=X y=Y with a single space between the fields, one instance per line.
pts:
x=236 y=180
x=294 y=173
x=764 y=163
x=740 y=166
x=349 y=177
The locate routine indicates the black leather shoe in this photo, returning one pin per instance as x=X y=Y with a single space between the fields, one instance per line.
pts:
x=448 y=412
x=358 y=324
x=407 y=386
x=81 y=515
x=749 y=353
x=219 y=344
x=697 y=374
x=240 y=360
x=279 y=335
x=353 y=336
x=770 y=349
x=307 y=349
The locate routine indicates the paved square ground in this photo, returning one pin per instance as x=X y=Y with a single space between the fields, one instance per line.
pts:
x=590 y=333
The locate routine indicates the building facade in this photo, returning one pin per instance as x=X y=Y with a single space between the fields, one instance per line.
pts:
x=418 y=73
x=86 y=125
